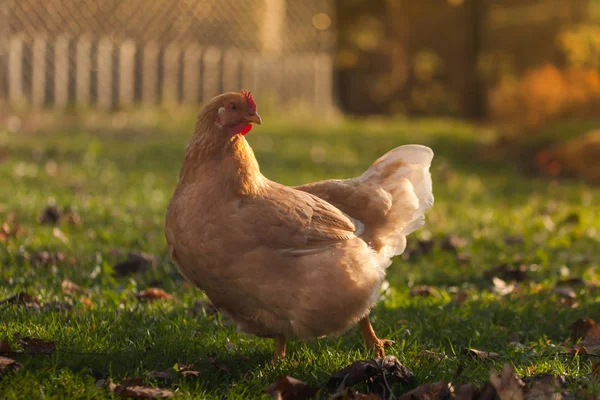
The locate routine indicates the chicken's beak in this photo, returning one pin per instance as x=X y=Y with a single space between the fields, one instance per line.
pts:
x=254 y=118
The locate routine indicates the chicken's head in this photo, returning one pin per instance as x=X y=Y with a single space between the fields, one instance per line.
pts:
x=236 y=112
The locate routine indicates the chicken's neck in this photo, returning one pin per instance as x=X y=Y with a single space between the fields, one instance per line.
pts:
x=229 y=159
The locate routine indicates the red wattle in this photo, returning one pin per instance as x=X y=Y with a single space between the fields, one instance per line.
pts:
x=246 y=129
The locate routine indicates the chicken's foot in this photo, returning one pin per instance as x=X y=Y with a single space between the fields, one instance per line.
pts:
x=279 y=348
x=371 y=339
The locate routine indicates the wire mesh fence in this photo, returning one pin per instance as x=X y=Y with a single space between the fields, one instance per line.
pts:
x=114 y=53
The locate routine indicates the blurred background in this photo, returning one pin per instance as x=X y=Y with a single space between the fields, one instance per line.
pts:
x=519 y=64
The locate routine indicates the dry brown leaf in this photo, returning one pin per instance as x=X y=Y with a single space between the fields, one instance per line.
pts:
x=8 y=232
x=70 y=287
x=429 y=391
x=580 y=328
x=513 y=240
x=565 y=291
x=35 y=345
x=212 y=360
x=135 y=391
x=544 y=387
x=288 y=388
x=482 y=355
x=45 y=258
x=591 y=341
x=153 y=294
x=87 y=302
x=508 y=386
x=378 y=374
x=136 y=263
x=453 y=243
x=508 y=273
x=8 y=364
x=351 y=394
x=460 y=297
x=422 y=291
x=50 y=215
x=5 y=347
x=22 y=299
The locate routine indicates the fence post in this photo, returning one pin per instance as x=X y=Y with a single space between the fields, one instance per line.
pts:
x=38 y=72
x=191 y=74
x=250 y=71
x=61 y=71
x=211 y=78
x=126 y=72
x=83 y=69
x=104 y=82
x=170 y=94
x=231 y=71
x=150 y=74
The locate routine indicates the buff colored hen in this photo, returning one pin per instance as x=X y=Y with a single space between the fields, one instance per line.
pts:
x=289 y=262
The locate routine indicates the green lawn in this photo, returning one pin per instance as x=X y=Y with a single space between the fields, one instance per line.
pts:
x=119 y=181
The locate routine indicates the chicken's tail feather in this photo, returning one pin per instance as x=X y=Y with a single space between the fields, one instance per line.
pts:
x=403 y=173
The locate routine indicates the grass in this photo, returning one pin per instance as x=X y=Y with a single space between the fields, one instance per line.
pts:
x=119 y=181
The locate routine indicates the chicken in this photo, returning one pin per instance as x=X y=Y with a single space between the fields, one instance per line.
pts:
x=289 y=262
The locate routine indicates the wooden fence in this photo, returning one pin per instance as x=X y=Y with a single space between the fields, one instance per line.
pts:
x=102 y=73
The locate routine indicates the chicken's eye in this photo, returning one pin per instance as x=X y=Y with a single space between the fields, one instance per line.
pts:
x=233 y=107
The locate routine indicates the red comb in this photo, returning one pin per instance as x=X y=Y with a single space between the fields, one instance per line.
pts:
x=249 y=99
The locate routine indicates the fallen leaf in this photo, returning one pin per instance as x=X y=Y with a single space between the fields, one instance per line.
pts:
x=5 y=347
x=482 y=355
x=35 y=345
x=508 y=273
x=453 y=243
x=101 y=382
x=565 y=291
x=288 y=388
x=8 y=364
x=580 y=328
x=45 y=258
x=166 y=374
x=351 y=394
x=460 y=297
x=591 y=341
x=464 y=258
x=87 y=302
x=69 y=287
x=571 y=282
x=379 y=374
x=513 y=240
x=50 y=215
x=127 y=389
x=136 y=263
x=429 y=391
x=596 y=371
x=153 y=294
x=507 y=385
x=212 y=360
x=544 y=387
x=8 y=232
x=60 y=235
x=422 y=291
x=501 y=287
x=22 y=299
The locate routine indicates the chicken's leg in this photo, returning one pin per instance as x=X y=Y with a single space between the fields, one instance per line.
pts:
x=371 y=339
x=279 y=348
